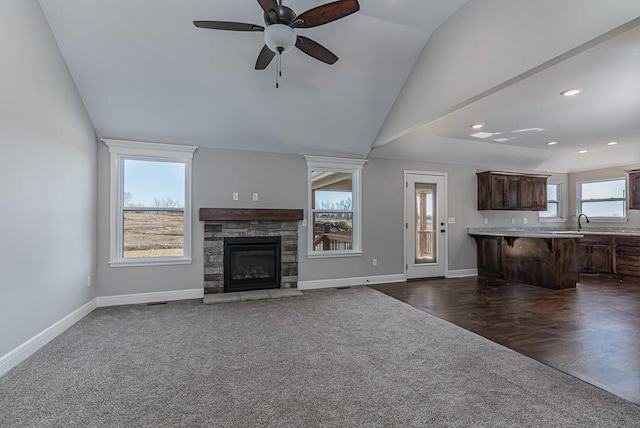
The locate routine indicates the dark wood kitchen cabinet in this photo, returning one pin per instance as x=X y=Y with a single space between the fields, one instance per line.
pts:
x=511 y=191
x=533 y=193
x=549 y=262
x=489 y=255
x=627 y=255
x=633 y=199
x=596 y=253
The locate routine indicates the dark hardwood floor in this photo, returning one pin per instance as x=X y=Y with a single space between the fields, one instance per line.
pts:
x=591 y=332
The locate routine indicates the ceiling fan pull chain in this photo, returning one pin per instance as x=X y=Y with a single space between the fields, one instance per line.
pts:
x=278 y=71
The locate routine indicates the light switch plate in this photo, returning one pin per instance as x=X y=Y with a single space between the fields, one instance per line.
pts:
x=255 y=196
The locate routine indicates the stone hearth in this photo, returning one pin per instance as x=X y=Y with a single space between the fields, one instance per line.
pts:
x=215 y=230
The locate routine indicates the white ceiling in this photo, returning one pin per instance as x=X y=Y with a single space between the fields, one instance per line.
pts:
x=146 y=73
x=526 y=115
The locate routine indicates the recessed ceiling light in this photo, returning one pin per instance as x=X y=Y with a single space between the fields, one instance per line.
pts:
x=582 y=151
x=482 y=134
x=612 y=143
x=552 y=143
x=477 y=125
x=570 y=92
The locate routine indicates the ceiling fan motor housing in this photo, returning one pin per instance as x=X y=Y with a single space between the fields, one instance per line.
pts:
x=284 y=15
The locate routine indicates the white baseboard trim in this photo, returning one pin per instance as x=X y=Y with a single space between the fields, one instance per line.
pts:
x=461 y=273
x=22 y=352
x=348 y=282
x=159 y=296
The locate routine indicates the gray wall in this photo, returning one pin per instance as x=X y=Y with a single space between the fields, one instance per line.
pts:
x=600 y=174
x=47 y=181
x=281 y=182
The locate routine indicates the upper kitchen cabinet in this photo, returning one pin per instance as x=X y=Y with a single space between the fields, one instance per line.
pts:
x=511 y=191
x=634 y=189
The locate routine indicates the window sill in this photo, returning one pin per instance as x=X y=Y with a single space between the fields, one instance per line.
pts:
x=608 y=220
x=329 y=254
x=151 y=262
x=551 y=220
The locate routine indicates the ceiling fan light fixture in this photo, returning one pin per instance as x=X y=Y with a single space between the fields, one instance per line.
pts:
x=279 y=38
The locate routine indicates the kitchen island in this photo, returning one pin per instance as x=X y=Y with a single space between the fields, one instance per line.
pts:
x=543 y=259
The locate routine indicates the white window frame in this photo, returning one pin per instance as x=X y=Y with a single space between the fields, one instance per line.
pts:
x=344 y=165
x=121 y=150
x=558 y=218
x=622 y=219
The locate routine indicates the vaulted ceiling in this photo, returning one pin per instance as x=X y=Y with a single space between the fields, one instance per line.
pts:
x=145 y=72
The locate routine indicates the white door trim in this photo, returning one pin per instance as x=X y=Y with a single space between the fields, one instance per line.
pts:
x=444 y=175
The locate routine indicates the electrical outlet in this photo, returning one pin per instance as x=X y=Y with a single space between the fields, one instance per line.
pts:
x=304 y=222
x=89 y=281
x=513 y=220
x=486 y=221
x=235 y=196
x=255 y=196
x=374 y=262
x=525 y=220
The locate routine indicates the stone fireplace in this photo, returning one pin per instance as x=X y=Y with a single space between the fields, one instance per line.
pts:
x=261 y=225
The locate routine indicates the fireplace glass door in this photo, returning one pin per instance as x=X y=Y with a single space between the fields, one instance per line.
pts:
x=251 y=263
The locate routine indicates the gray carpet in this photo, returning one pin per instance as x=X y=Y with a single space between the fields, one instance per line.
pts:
x=351 y=357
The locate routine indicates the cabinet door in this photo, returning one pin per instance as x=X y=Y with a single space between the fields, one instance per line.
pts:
x=583 y=255
x=539 y=194
x=634 y=191
x=513 y=193
x=600 y=258
x=627 y=260
x=489 y=256
x=527 y=201
x=498 y=196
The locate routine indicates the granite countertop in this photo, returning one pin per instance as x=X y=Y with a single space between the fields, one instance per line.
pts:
x=548 y=233
x=522 y=233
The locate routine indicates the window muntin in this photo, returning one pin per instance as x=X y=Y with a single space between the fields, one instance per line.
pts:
x=150 y=203
x=334 y=206
x=604 y=199
x=553 y=202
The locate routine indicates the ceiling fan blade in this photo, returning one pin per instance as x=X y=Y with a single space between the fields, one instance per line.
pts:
x=264 y=58
x=268 y=5
x=224 y=25
x=315 y=50
x=326 y=13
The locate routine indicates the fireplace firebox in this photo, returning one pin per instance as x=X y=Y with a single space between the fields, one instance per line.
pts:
x=251 y=263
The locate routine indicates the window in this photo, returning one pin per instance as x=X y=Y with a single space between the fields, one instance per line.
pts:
x=150 y=203
x=553 y=202
x=604 y=199
x=334 y=206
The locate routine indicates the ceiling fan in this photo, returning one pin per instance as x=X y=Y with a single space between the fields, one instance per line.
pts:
x=280 y=22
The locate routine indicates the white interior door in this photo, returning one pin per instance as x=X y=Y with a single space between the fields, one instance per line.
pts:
x=425 y=228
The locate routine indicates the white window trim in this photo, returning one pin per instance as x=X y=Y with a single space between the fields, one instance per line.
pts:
x=559 y=218
x=120 y=150
x=354 y=167
x=623 y=219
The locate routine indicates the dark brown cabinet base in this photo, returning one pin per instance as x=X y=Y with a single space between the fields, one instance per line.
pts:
x=544 y=262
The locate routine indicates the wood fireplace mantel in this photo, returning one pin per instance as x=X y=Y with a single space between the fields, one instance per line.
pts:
x=247 y=214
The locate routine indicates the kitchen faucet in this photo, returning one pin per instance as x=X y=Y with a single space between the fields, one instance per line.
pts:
x=580 y=224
